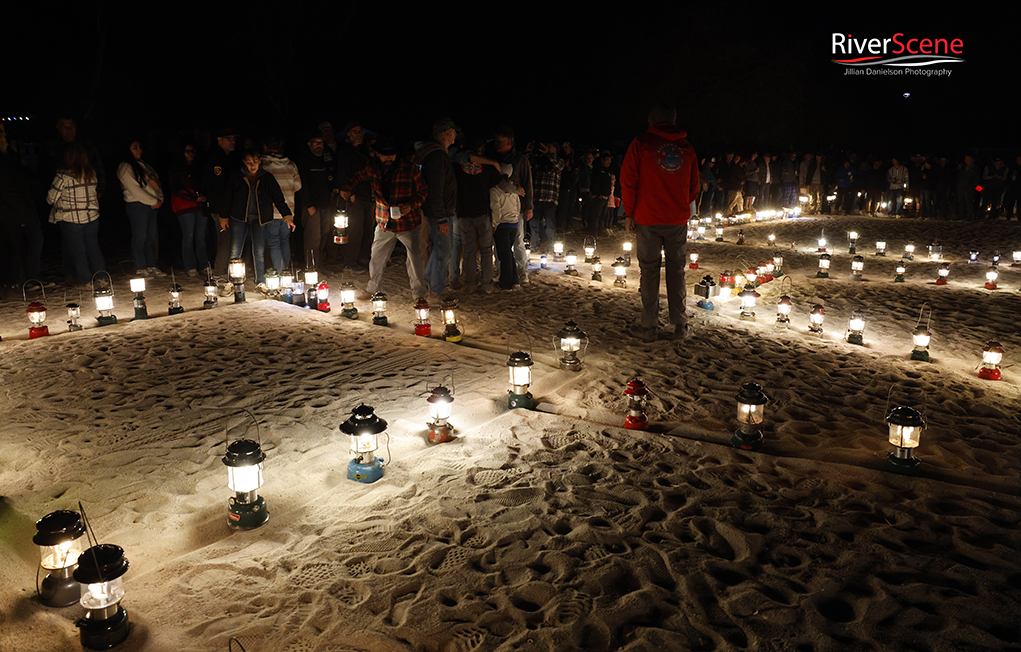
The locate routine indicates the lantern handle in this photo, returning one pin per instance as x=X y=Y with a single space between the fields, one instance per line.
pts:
x=232 y=641
x=920 y=310
x=93 y=540
x=744 y=264
x=527 y=337
x=25 y=285
x=258 y=432
x=890 y=393
x=790 y=285
x=109 y=280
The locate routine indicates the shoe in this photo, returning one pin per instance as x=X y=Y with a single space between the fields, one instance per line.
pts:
x=156 y=272
x=523 y=278
x=487 y=289
x=225 y=289
x=362 y=295
x=263 y=289
x=356 y=269
x=142 y=273
x=193 y=272
x=677 y=333
x=456 y=284
x=643 y=333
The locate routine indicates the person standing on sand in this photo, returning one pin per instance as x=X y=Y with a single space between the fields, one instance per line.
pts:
x=659 y=184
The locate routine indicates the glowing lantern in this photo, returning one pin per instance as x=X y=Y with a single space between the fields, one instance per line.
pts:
x=74 y=315
x=138 y=287
x=323 y=296
x=312 y=288
x=590 y=248
x=942 y=273
x=693 y=256
x=37 y=317
x=528 y=252
x=762 y=272
x=852 y=242
x=287 y=287
x=881 y=248
x=452 y=330
x=236 y=271
x=909 y=251
x=972 y=257
x=824 y=266
x=857 y=267
x=719 y=233
x=900 y=269
x=520 y=366
x=935 y=252
x=102 y=294
x=991 y=276
x=822 y=242
x=363 y=429
x=422 y=325
x=751 y=405
x=815 y=319
x=783 y=312
x=174 y=303
x=58 y=535
x=440 y=403
x=100 y=572
x=246 y=510
x=748 y=296
x=856 y=328
x=340 y=225
x=571 y=343
x=700 y=231
x=772 y=239
x=298 y=290
x=272 y=282
x=627 y=246
x=637 y=399
x=210 y=292
x=707 y=289
x=727 y=281
x=619 y=273
x=543 y=262
x=571 y=261
x=992 y=356
x=777 y=264
x=597 y=269
x=996 y=258
x=558 y=250
x=740 y=237
x=1016 y=257
x=921 y=338
x=906 y=425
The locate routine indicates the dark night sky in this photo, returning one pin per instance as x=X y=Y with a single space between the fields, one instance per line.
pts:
x=741 y=75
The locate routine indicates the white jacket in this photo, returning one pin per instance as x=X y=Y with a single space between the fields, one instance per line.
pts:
x=132 y=191
x=285 y=172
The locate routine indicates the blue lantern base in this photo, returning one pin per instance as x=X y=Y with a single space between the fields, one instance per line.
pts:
x=366 y=473
x=908 y=257
x=349 y=313
x=520 y=401
x=705 y=304
x=287 y=297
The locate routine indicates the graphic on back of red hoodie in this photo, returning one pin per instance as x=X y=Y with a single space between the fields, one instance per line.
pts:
x=669 y=157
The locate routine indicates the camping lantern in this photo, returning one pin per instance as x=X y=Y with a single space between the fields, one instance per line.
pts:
x=783 y=312
x=740 y=237
x=777 y=264
x=363 y=428
x=246 y=510
x=815 y=319
x=909 y=251
x=528 y=252
x=719 y=233
x=138 y=287
x=520 y=365
x=991 y=276
x=857 y=266
x=298 y=290
x=452 y=331
x=570 y=343
x=690 y=232
x=992 y=356
x=727 y=282
x=74 y=315
x=921 y=338
x=707 y=289
x=852 y=242
x=900 y=269
x=323 y=296
x=175 y=307
x=1016 y=257
x=856 y=328
x=103 y=296
x=311 y=277
x=272 y=282
x=972 y=257
x=100 y=572
x=236 y=271
x=379 y=310
x=693 y=256
x=210 y=291
x=637 y=399
x=751 y=404
x=287 y=287
x=590 y=248
x=558 y=250
x=422 y=325
x=996 y=258
x=347 y=299
x=58 y=535
x=906 y=425
x=619 y=273
x=571 y=261
x=880 y=247
x=824 y=266
x=942 y=272
x=37 y=317
x=748 y=296
x=340 y=224
x=772 y=239
x=762 y=273
x=935 y=252
x=543 y=262
x=597 y=269
x=627 y=246
x=700 y=231
x=822 y=242
x=751 y=277
x=440 y=401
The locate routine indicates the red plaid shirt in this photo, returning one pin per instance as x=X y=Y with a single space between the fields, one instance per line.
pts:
x=406 y=187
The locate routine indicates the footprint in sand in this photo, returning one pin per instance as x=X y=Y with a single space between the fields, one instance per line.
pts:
x=464 y=637
x=570 y=609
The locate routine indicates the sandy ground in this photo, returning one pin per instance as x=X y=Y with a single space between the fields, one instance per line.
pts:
x=553 y=529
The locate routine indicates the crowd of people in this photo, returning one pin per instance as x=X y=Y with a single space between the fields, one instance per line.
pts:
x=452 y=200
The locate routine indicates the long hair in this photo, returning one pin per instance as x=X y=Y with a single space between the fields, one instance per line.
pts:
x=136 y=167
x=76 y=162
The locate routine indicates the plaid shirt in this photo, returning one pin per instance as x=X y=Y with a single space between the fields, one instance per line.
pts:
x=546 y=179
x=407 y=186
x=72 y=200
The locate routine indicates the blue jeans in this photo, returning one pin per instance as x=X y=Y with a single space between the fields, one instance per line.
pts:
x=144 y=234
x=439 y=259
x=238 y=232
x=543 y=225
x=278 y=237
x=455 y=249
x=81 y=242
x=193 y=240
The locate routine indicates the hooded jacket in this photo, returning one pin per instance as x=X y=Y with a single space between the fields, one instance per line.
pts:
x=438 y=172
x=659 y=177
x=285 y=172
x=267 y=194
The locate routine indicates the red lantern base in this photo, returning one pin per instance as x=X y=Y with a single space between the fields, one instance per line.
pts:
x=636 y=423
x=440 y=436
x=990 y=286
x=324 y=306
x=941 y=281
x=38 y=331
x=425 y=330
x=989 y=374
x=693 y=266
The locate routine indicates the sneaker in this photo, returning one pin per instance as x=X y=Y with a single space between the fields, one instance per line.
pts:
x=456 y=284
x=262 y=288
x=677 y=333
x=643 y=333
x=225 y=289
x=356 y=269
x=523 y=277
x=487 y=289
x=156 y=272
x=193 y=272
x=142 y=273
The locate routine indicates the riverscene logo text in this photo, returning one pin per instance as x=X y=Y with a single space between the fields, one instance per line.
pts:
x=905 y=55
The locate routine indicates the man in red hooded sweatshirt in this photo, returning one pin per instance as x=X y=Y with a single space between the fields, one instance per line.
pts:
x=659 y=183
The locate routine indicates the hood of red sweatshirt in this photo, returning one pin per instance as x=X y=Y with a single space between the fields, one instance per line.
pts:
x=668 y=131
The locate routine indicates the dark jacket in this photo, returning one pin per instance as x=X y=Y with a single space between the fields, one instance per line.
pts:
x=601 y=186
x=16 y=205
x=267 y=192
x=438 y=171
x=351 y=159
x=219 y=169
x=316 y=181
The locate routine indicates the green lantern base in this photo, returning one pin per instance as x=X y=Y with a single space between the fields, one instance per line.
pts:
x=748 y=441
x=525 y=401
x=597 y=277
x=106 y=321
x=856 y=339
x=176 y=311
x=141 y=313
x=899 y=279
x=922 y=356
x=904 y=465
x=571 y=272
x=246 y=516
x=851 y=250
x=822 y=274
x=349 y=313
